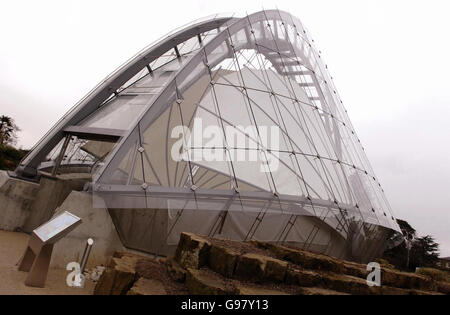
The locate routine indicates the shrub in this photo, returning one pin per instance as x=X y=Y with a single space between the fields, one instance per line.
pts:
x=10 y=157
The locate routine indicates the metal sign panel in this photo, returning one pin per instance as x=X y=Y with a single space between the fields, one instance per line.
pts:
x=61 y=223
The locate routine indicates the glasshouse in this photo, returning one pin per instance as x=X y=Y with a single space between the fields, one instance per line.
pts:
x=228 y=127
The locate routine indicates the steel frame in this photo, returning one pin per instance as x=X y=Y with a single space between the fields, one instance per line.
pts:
x=228 y=26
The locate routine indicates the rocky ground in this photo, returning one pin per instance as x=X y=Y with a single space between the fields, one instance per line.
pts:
x=203 y=265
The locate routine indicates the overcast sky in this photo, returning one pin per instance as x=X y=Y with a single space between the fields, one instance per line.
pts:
x=390 y=61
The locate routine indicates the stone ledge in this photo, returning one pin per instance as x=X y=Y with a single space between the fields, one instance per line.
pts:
x=251 y=290
x=203 y=282
x=406 y=280
x=319 y=291
x=303 y=278
x=443 y=287
x=175 y=271
x=318 y=262
x=205 y=266
x=222 y=260
x=258 y=268
x=147 y=287
x=120 y=274
x=192 y=251
x=302 y=258
x=118 y=278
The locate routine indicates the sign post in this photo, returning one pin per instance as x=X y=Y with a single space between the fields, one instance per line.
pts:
x=38 y=254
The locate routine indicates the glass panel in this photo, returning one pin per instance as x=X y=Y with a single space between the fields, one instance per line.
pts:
x=120 y=113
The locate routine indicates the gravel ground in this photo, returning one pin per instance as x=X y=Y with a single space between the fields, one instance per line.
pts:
x=12 y=281
x=157 y=270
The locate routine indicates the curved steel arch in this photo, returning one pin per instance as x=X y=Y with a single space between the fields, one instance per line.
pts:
x=29 y=165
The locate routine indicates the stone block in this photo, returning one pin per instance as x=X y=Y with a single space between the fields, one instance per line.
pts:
x=192 y=251
x=222 y=260
x=258 y=268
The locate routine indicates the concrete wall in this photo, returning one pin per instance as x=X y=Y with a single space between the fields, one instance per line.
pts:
x=51 y=194
x=97 y=224
x=26 y=205
x=16 y=201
